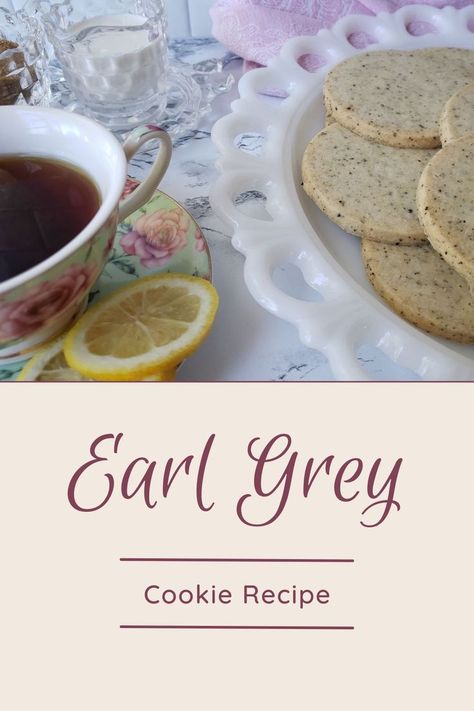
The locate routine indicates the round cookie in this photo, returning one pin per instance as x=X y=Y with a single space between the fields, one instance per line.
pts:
x=329 y=120
x=457 y=119
x=445 y=204
x=395 y=97
x=366 y=188
x=422 y=288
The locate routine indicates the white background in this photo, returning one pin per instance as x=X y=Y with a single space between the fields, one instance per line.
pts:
x=189 y=17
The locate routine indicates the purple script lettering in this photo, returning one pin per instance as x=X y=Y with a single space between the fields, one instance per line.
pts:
x=275 y=483
x=141 y=469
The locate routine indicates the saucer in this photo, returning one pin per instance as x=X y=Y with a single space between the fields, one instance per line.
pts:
x=160 y=237
x=191 y=91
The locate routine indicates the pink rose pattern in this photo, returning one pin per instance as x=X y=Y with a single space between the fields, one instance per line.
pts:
x=157 y=237
x=200 y=242
x=40 y=304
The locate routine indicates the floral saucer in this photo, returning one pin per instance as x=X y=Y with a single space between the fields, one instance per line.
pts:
x=160 y=237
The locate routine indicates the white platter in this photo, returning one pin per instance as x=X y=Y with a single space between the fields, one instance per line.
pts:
x=345 y=314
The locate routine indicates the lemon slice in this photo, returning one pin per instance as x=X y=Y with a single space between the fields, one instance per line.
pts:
x=166 y=376
x=49 y=365
x=145 y=327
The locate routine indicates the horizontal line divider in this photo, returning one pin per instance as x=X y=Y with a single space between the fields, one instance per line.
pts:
x=235 y=627
x=237 y=560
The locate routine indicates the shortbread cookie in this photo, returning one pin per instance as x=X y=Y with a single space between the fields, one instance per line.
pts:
x=422 y=288
x=445 y=200
x=457 y=119
x=395 y=97
x=364 y=187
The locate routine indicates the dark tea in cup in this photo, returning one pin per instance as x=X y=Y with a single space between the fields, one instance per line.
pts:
x=44 y=204
x=61 y=198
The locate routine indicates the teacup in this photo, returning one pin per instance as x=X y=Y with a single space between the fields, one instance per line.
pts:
x=42 y=302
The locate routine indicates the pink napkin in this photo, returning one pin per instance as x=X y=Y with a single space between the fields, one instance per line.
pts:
x=256 y=29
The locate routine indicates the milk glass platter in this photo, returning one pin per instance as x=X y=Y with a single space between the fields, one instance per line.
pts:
x=261 y=145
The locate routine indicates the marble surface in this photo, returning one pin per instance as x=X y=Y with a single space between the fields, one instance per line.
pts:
x=246 y=343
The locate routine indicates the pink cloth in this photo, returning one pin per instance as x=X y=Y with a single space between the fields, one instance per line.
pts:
x=256 y=29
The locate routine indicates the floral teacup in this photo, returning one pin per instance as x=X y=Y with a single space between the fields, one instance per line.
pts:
x=43 y=301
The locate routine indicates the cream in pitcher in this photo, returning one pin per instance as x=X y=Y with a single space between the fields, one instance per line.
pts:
x=114 y=57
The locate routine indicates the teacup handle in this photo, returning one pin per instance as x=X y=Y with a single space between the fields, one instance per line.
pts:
x=134 y=142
